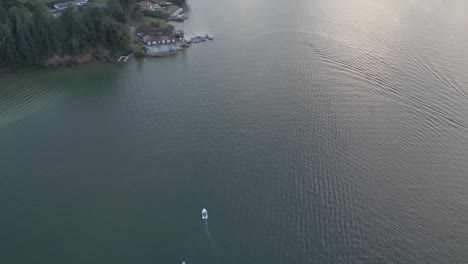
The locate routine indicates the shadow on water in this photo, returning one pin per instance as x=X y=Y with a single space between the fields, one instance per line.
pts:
x=28 y=91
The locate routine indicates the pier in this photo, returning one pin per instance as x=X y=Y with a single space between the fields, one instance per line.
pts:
x=123 y=59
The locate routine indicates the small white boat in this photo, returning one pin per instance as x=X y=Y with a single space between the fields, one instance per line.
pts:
x=204 y=214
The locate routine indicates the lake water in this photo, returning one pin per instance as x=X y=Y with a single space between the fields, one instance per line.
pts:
x=313 y=131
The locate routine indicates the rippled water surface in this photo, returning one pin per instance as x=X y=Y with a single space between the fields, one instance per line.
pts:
x=313 y=131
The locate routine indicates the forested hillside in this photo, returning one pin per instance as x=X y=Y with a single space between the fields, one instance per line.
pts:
x=29 y=34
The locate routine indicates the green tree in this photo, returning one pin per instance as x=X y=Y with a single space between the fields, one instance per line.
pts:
x=156 y=24
x=3 y=15
x=117 y=37
x=178 y=2
x=75 y=33
x=93 y=19
x=21 y=31
x=127 y=4
x=42 y=32
x=29 y=34
x=136 y=13
x=8 y=54
x=116 y=10
x=7 y=4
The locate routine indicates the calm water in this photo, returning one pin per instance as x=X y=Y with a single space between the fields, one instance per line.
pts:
x=313 y=131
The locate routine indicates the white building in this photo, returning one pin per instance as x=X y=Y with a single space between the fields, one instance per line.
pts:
x=65 y=5
x=147 y=5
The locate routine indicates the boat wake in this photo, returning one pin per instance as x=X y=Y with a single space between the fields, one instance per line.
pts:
x=208 y=234
x=204 y=215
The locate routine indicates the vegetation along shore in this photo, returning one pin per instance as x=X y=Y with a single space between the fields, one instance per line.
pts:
x=58 y=33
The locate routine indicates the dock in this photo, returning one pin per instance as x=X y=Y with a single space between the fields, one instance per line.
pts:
x=198 y=38
x=123 y=58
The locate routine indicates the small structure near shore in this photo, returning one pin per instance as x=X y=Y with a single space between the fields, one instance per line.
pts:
x=177 y=12
x=178 y=18
x=177 y=15
x=123 y=59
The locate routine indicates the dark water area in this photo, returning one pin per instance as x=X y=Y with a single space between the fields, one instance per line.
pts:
x=313 y=131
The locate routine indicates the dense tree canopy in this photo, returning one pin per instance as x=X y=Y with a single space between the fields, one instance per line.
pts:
x=116 y=10
x=127 y=4
x=29 y=34
x=178 y=2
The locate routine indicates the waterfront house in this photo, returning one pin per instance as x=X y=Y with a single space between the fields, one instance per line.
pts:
x=165 y=4
x=65 y=5
x=158 y=41
x=148 y=5
x=61 y=6
x=155 y=36
x=80 y=2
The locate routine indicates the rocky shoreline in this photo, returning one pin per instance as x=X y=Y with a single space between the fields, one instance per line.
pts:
x=70 y=60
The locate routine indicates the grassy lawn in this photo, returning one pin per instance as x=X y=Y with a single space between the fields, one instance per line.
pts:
x=148 y=20
x=173 y=9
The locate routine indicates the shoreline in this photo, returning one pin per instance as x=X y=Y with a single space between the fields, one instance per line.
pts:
x=66 y=61
x=99 y=53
